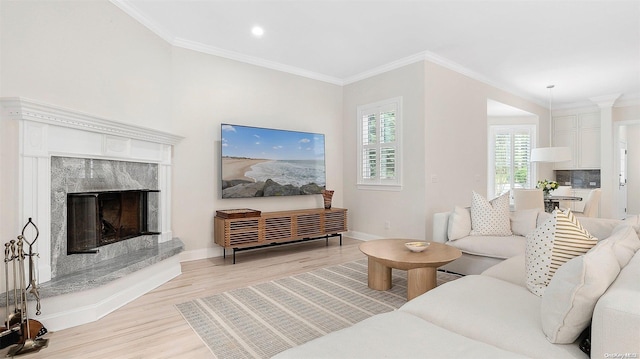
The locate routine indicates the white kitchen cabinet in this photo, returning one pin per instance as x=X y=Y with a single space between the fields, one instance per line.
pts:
x=589 y=141
x=565 y=135
x=581 y=133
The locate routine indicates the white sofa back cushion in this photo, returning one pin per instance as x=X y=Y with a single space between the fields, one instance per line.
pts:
x=568 y=302
x=459 y=223
x=625 y=243
x=523 y=221
x=500 y=247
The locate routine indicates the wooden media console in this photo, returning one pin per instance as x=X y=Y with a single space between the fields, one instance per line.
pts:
x=272 y=228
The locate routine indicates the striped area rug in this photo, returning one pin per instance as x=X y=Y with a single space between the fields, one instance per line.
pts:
x=265 y=319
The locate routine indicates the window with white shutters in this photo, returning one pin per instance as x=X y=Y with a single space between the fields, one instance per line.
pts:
x=379 y=150
x=509 y=158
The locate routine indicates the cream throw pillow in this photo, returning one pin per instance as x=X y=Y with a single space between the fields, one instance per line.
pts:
x=552 y=244
x=459 y=223
x=490 y=218
x=568 y=302
x=523 y=221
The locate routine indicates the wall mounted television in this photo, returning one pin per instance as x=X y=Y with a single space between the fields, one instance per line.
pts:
x=267 y=162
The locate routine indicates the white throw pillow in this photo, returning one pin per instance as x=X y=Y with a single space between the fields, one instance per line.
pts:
x=459 y=223
x=523 y=221
x=490 y=218
x=568 y=302
x=551 y=245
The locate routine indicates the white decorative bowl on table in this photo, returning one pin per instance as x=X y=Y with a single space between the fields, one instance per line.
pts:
x=417 y=246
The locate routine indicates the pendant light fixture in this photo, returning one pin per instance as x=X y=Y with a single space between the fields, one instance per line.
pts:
x=550 y=154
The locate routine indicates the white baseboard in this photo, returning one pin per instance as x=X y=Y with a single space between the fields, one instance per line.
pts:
x=202 y=253
x=73 y=309
x=362 y=236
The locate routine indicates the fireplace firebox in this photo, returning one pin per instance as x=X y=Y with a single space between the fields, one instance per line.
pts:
x=95 y=219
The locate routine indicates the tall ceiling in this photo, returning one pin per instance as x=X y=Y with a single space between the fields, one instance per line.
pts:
x=586 y=49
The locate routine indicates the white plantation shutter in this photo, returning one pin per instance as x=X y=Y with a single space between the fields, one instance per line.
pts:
x=509 y=154
x=379 y=145
x=502 y=163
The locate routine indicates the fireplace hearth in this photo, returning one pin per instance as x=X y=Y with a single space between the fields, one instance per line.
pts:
x=95 y=219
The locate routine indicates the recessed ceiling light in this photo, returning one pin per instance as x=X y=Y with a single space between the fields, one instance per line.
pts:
x=257 y=31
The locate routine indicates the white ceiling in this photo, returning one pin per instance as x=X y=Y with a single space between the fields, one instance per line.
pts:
x=585 y=48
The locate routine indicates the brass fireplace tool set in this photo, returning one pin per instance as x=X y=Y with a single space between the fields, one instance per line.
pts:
x=18 y=331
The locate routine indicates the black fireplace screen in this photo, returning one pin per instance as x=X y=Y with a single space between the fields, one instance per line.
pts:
x=96 y=219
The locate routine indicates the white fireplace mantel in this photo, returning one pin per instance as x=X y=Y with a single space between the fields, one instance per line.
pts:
x=45 y=130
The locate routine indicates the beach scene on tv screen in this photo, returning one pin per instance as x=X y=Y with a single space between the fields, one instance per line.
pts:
x=263 y=162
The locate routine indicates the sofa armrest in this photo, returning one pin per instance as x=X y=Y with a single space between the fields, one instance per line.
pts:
x=440 y=227
x=615 y=328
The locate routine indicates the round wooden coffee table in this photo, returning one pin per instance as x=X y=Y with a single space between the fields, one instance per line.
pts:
x=421 y=267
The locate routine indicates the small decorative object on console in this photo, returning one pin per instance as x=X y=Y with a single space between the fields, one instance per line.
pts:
x=327 y=195
x=238 y=213
x=417 y=246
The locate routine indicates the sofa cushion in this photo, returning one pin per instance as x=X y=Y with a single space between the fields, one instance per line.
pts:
x=568 y=302
x=490 y=310
x=615 y=327
x=625 y=243
x=600 y=227
x=510 y=270
x=490 y=218
x=551 y=245
x=394 y=335
x=523 y=221
x=500 y=247
x=459 y=223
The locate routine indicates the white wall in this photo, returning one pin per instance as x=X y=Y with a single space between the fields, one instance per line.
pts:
x=445 y=146
x=456 y=136
x=92 y=57
x=86 y=56
x=371 y=209
x=208 y=91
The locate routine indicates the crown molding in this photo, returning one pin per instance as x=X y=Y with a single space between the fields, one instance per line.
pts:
x=623 y=101
x=19 y=108
x=628 y=100
x=605 y=101
x=145 y=21
x=385 y=68
x=197 y=46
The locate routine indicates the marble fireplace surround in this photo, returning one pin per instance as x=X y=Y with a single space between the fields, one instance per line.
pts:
x=55 y=146
x=77 y=175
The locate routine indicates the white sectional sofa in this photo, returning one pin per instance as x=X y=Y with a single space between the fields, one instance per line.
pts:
x=491 y=315
x=482 y=252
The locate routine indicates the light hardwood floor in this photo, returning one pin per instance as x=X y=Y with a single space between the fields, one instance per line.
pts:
x=151 y=327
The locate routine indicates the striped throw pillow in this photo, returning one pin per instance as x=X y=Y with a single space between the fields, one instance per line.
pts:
x=551 y=245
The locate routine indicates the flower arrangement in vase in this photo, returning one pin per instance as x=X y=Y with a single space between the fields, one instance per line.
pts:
x=547 y=186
